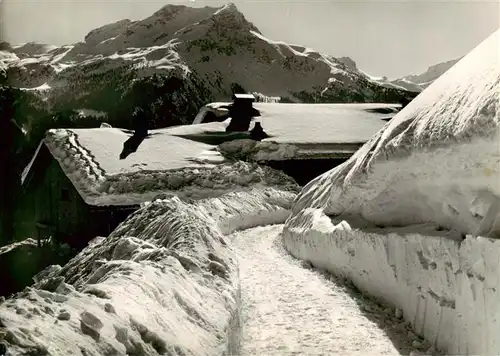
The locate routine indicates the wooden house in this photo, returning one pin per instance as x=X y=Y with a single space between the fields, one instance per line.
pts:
x=76 y=187
x=325 y=135
x=318 y=130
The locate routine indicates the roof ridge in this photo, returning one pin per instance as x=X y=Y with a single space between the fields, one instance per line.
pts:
x=89 y=154
x=85 y=166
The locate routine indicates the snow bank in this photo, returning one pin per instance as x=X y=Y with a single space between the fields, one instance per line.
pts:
x=164 y=282
x=436 y=161
x=447 y=289
x=402 y=204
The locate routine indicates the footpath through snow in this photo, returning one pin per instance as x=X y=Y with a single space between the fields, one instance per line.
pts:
x=293 y=310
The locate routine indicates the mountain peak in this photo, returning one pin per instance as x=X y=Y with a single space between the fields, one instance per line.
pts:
x=432 y=73
x=170 y=10
x=231 y=7
x=33 y=48
x=230 y=17
x=348 y=62
x=107 y=31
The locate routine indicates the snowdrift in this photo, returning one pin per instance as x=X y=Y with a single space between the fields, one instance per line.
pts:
x=393 y=217
x=164 y=282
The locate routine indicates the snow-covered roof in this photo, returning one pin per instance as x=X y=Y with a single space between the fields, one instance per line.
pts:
x=161 y=164
x=90 y=159
x=307 y=123
x=157 y=152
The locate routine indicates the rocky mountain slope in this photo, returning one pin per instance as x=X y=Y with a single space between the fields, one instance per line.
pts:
x=177 y=60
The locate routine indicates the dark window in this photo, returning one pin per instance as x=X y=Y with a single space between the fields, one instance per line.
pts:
x=65 y=194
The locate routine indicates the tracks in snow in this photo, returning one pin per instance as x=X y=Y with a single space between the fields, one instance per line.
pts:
x=291 y=310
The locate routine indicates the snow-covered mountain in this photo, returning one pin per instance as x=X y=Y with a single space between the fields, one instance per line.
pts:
x=428 y=77
x=178 y=53
x=416 y=82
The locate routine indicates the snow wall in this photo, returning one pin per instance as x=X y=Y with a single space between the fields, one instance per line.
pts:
x=448 y=290
x=164 y=282
x=392 y=218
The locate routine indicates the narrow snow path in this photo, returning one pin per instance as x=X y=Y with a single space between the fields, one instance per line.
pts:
x=291 y=310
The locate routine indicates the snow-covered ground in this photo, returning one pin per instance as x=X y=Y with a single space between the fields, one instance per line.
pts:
x=288 y=309
x=393 y=217
x=164 y=282
x=42 y=87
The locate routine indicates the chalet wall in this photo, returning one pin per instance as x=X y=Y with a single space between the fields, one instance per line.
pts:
x=51 y=206
x=68 y=211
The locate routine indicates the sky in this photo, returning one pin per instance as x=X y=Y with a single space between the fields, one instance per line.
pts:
x=385 y=38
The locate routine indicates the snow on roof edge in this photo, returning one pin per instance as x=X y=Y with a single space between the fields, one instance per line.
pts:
x=27 y=169
x=98 y=189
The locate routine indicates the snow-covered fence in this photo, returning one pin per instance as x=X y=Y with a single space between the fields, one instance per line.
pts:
x=261 y=98
x=448 y=289
x=164 y=282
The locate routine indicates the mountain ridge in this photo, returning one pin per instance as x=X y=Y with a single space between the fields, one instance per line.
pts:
x=418 y=82
x=198 y=53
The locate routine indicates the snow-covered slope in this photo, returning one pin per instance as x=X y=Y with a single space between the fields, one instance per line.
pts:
x=206 y=49
x=392 y=217
x=164 y=282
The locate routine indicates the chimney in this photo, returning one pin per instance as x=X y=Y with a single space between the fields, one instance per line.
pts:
x=243 y=100
x=241 y=112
